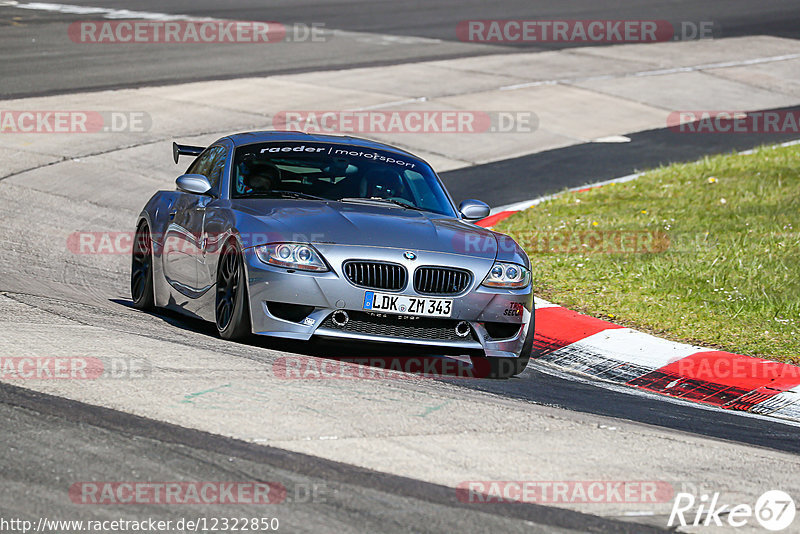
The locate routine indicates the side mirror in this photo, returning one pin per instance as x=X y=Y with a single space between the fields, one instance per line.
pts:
x=193 y=183
x=474 y=210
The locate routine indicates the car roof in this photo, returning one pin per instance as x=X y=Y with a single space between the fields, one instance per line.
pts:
x=247 y=138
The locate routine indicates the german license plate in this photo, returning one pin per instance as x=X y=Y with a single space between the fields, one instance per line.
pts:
x=402 y=305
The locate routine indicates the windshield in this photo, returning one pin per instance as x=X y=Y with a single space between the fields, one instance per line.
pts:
x=336 y=172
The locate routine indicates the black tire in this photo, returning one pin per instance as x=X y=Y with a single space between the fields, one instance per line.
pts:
x=142 y=269
x=527 y=347
x=232 y=308
x=507 y=367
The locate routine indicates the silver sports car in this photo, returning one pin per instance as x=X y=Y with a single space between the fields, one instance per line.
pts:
x=298 y=236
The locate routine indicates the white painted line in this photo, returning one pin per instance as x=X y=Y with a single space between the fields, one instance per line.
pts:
x=106 y=12
x=746 y=62
x=612 y=139
x=525 y=85
x=394 y=103
x=385 y=39
x=520 y=206
x=541 y=303
x=752 y=151
x=655 y=72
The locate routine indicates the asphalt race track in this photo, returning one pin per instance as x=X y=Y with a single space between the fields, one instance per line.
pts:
x=355 y=456
x=36 y=61
x=159 y=451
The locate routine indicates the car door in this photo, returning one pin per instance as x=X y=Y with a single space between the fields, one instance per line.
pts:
x=209 y=240
x=183 y=239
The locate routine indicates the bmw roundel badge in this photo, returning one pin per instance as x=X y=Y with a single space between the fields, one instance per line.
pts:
x=410 y=255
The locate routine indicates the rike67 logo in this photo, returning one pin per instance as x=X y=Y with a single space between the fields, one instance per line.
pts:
x=774 y=511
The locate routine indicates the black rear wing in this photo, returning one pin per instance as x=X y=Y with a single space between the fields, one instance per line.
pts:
x=185 y=150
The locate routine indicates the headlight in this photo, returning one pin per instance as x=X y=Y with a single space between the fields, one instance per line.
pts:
x=292 y=256
x=508 y=276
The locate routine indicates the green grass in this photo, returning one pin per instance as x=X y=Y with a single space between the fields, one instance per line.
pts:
x=723 y=263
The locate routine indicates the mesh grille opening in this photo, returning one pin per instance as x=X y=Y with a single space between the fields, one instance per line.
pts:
x=502 y=330
x=400 y=327
x=289 y=312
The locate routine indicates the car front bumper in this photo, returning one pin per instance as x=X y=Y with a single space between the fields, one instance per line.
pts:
x=325 y=293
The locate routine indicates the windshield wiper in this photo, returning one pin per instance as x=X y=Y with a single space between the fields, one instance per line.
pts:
x=286 y=194
x=295 y=194
x=382 y=200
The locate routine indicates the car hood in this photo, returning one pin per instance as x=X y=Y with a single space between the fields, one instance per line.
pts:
x=350 y=223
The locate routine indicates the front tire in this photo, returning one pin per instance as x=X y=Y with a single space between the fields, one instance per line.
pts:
x=232 y=308
x=142 y=269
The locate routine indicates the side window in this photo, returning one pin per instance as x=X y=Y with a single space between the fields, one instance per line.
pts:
x=201 y=164
x=211 y=164
x=217 y=167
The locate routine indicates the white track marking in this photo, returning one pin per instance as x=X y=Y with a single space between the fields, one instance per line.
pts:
x=752 y=151
x=385 y=39
x=612 y=139
x=655 y=72
x=541 y=303
x=394 y=103
x=104 y=12
x=630 y=346
x=785 y=404
x=519 y=206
